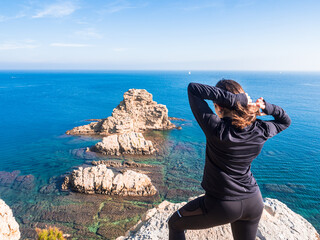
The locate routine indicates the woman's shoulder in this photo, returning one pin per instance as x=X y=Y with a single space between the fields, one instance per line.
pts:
x=257 y=129
x=225 y=131
x=262 y=127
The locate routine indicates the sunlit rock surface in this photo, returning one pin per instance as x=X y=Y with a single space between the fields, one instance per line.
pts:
x=278 y=222
x=127 y=143
x=136 y=113
x=9 y=228
x=100 y=179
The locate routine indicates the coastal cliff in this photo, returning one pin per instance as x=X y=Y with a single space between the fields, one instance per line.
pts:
x=9 y=228
x=136 y=113
x=278 y=222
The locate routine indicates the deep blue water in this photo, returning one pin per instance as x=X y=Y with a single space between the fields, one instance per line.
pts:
x=38 y=107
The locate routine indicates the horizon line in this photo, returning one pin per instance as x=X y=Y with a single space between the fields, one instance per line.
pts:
x=176 y=70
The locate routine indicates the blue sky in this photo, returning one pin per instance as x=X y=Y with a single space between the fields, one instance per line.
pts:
x=178 y=35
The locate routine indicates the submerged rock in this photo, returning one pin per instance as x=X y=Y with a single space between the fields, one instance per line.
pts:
x=176 y=119
x=278 y=188
x=13 y=180
x=7 y=178
x=117 y=164
x=278 y=222
x=9 y=228
x=137 y=112
x=127 y=143
x=100 y=179
x=24 y=182
x=83 y=153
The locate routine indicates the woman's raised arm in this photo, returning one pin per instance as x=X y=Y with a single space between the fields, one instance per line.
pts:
x=281 y=118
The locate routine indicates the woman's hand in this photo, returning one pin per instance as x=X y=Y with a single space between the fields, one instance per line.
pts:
x=260 y=103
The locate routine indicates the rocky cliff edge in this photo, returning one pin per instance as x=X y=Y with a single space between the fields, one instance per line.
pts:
x=278 y=222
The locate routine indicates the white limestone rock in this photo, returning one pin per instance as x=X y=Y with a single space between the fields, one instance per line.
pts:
x=100 y=179
x=9 y=228
x=136 y=113
x=109 y=146
x=136 y=184
x=278 y=222
x=127 y=143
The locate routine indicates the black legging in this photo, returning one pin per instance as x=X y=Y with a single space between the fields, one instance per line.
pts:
x=207 y=211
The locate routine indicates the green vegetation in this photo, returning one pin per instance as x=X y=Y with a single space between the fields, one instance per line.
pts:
x=125 y=221
x=94 y=227
x=52 y=233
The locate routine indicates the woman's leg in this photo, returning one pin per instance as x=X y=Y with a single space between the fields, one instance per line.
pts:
x=203 y=212
x=179 y=218
x=246 y=227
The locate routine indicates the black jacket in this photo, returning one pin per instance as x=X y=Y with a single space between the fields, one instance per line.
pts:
x=230 y=150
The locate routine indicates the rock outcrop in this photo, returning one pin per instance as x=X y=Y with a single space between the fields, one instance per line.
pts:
x=127 y=143
x=136 y=113
x=9 y=228
x=278 y=222
x=100 y=179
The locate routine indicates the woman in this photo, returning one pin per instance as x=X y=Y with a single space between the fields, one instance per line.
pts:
x=234 y=137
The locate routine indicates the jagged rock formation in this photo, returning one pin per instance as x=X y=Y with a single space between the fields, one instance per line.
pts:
x=278 y=222
x=100 y=179
x=127 y=143
x=136 y=113
x=9 y=228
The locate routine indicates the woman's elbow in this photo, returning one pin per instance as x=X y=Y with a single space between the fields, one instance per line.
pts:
x=190 y=86
x=289 y=121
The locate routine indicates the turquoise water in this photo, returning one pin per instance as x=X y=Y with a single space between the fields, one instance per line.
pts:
x=38 y=107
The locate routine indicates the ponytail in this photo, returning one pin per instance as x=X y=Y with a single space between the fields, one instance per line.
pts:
x=244 y=116
x=241 y=116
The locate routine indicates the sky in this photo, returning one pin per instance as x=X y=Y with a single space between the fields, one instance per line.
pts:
x=273 y=35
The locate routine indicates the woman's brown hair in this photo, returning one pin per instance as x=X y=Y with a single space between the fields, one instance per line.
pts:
x=241 y=116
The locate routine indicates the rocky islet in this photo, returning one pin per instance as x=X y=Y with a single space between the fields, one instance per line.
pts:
x=102 y=180
x=127 y=143
x=137 y=112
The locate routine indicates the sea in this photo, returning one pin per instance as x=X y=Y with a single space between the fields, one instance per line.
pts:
x=38 y=107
